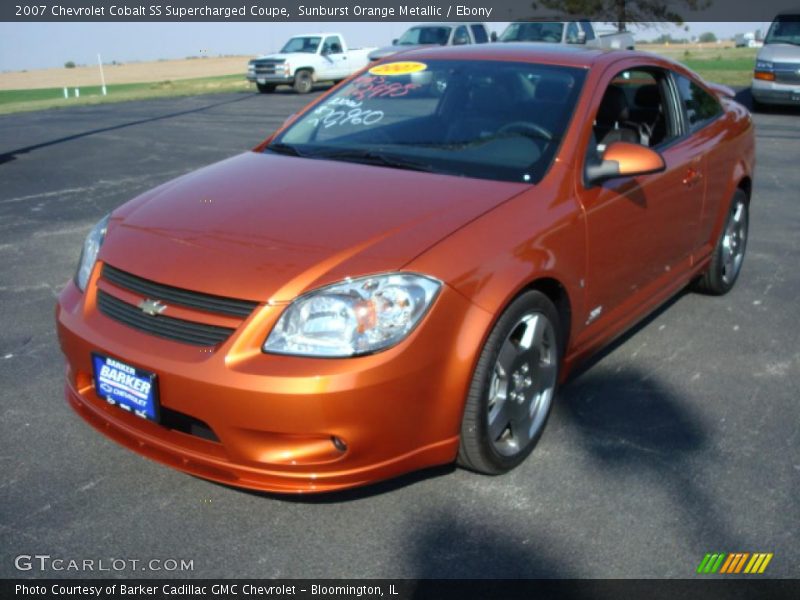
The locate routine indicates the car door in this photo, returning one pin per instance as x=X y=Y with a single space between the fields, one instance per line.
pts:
x=334 y=58
x=701 y=109
x=641 y=231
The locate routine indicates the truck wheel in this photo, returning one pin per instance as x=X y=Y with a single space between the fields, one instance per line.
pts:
x=266 y=88
x=303 y=82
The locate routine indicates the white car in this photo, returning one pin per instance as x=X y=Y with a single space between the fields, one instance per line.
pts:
x=567 y=32
x=305 y=60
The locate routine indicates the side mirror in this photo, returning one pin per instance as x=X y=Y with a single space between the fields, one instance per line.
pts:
x=493 y=37
x=581 y=37
x=394 y=41
x=622 y=159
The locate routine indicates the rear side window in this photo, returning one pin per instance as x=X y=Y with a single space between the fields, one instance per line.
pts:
x=461 y=36
x=479 y=33
x=701 y=107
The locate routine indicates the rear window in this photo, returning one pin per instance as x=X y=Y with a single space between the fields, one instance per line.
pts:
x=700 y=106
x=479 y=33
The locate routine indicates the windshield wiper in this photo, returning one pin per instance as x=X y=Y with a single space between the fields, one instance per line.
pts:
x=288 y=149
x=374 y=158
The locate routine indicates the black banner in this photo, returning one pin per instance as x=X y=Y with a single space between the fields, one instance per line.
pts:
x=401 y=589
x=387 y=10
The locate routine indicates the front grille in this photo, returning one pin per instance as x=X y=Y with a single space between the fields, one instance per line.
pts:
x=179 y=330
x=787 y=72
x=158 y=291
x=268 y=68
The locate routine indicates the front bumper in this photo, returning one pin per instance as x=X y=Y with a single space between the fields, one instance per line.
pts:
x=769 y=92
x=277 y=79
x=274 y=418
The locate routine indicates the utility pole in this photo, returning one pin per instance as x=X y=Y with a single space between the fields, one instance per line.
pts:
x=102 y=75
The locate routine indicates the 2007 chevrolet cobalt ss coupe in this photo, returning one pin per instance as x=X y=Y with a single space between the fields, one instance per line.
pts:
x=401 y=276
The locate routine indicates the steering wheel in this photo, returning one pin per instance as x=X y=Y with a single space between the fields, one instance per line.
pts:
x=528 y=129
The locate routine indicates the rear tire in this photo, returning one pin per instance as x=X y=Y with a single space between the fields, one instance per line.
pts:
x=512 y=388
x=265 y=88
x=303 y=82
x=726 y=262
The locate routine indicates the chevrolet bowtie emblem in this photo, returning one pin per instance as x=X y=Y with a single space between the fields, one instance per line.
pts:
x=152 y=307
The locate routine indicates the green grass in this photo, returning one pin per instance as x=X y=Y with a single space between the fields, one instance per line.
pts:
x=729 y=66
x=37 y=99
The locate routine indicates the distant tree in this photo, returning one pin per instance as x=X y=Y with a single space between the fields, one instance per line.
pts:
x=69 y=65
x=622 y=12
x=666 y=38
x=707 y=38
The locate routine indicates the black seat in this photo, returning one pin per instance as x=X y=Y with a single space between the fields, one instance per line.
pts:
x=651 y=112
x=613 y=120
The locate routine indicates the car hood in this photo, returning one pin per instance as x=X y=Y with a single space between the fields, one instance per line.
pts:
x=261 y=226
x=280 y=58
x=780 y=53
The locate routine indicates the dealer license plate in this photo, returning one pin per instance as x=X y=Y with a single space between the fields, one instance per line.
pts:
x=125 y=386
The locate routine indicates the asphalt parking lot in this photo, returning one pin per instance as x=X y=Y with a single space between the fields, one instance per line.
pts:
x=681 y=439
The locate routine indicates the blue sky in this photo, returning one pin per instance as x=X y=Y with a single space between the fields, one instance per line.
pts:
x=40 y=45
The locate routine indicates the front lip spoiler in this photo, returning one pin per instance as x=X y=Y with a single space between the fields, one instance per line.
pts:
x=242 y=476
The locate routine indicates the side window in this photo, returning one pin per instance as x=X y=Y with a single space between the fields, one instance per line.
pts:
x=572 y=33
x=461 y=36
x=479 y=33
x=332 y=45
x=701 y=107
x=635 y=108
x=587 y=28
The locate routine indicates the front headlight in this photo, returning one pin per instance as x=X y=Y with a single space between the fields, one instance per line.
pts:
x=763 y=65
x=357 y=316
x=89 y=253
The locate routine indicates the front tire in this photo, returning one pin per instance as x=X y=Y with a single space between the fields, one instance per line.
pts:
x=265 y=88
x=512 y=388
x=303 y=82
x=726 y=262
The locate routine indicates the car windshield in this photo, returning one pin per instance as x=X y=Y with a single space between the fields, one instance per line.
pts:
x=784 y=30
x=483 y=119
x=425 y=35
x=533 y=32
x=302 y=44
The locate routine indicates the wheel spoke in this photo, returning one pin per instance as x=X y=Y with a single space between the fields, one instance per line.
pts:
x=521 y=431
x=534 y=330
x=498 y=420
x=546 y=377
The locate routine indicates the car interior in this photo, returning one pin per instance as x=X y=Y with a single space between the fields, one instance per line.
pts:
x=633 y=110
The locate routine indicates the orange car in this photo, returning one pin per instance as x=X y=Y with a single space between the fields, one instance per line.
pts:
x=401 y=276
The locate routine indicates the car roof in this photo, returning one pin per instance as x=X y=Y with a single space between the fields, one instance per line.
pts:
x=543 y=53
x=444 y=24
x=316 y=34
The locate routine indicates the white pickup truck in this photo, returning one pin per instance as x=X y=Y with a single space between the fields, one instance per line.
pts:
x=305 y=60
x=566 y=32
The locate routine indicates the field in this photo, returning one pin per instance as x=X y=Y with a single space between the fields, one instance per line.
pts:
x=717 y=63
x=40 y=89
x=44 y=88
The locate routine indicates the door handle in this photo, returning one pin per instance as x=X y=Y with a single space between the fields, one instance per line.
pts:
x=693 y=176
